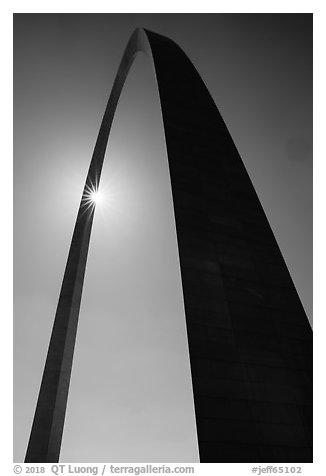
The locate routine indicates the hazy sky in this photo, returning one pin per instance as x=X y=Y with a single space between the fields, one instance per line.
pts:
x=130 y=397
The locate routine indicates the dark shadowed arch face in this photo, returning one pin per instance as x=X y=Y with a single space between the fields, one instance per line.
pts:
x=249 y=339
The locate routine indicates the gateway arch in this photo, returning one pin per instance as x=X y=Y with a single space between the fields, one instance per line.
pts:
x=250 y=343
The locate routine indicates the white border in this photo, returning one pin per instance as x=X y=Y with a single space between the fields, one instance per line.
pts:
x=316 y=7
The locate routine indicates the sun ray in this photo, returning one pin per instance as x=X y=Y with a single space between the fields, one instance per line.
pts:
x=92 y=196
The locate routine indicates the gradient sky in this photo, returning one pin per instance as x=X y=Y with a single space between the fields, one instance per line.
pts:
x=130 y=397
